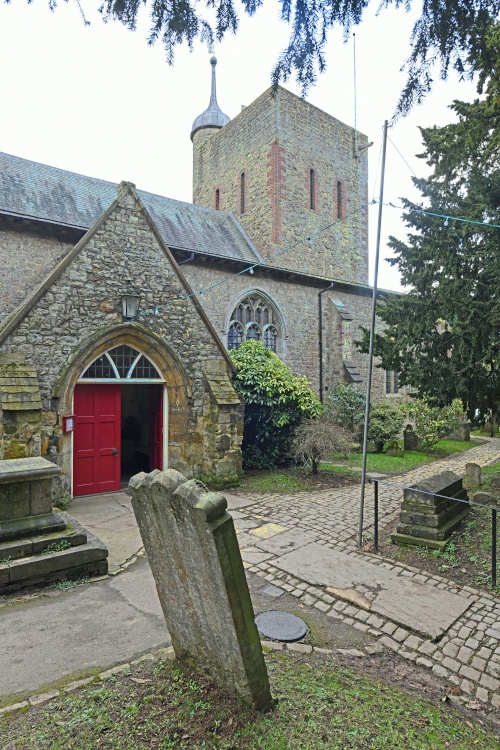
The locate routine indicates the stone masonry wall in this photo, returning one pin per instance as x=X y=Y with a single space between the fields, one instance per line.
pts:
x=276 y=142
x=298 y=305
x=36 y=256
x=122 y=256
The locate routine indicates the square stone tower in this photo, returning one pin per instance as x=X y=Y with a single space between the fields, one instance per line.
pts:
x=288 y=171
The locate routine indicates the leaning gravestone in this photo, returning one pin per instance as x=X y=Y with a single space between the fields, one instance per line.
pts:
x=193 y=552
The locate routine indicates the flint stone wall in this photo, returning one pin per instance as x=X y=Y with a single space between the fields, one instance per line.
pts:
x=82 y=305
x=193 y=552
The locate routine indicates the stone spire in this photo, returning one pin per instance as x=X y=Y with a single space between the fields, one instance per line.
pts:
x=212 y=117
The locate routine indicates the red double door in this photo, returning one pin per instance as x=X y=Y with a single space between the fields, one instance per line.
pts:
x=97 y=437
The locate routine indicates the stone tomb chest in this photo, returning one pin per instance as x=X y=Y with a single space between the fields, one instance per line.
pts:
x=431 y=510
x=38 y=546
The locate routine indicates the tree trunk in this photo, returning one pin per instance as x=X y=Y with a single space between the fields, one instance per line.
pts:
x=315 y=464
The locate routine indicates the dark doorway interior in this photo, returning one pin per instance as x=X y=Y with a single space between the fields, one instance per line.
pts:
x=138 y=423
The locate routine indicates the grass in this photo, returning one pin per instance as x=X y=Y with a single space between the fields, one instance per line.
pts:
x=331 y=475
x=466 y=558
x=321 y=706
x=288 y=481
x=384 y=464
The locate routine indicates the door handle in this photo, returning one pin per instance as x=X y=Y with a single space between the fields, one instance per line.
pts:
x=114 y=451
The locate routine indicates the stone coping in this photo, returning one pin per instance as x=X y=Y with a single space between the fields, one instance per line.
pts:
x=27 y=469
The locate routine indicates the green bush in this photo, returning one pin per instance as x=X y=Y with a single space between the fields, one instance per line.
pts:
x=385 y=423
x=431 y=422
x=346 y=404
x=275 y=403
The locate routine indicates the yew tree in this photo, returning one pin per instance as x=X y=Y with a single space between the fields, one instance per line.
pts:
x=443 y=336
x=447 y=34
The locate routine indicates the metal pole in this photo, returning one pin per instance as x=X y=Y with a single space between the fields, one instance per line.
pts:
x=493 y=548
x=372 y=338
x=375 y=514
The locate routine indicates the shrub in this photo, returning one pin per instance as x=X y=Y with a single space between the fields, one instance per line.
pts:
x=385 y=423
x=432 y=422
x=346 y=404
x=275 y=403
x=316 y=439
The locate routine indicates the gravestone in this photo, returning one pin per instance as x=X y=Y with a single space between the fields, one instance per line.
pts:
x=431 y=510
x=473 y=474
x=410 y=440
x=484 y=498
x=193 y=552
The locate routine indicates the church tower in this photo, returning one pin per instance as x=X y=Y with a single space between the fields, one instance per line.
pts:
x=295 y=177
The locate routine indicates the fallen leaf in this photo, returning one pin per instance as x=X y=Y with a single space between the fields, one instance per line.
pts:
x=230 y=722
x=140 y=680
x=474 y=705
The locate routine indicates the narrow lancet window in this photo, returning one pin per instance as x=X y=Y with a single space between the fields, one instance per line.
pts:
x=339 y=200
x=242 y=193
x=217 y=199
x=312 y=189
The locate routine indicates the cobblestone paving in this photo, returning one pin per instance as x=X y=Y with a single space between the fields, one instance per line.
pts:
x=467 y=656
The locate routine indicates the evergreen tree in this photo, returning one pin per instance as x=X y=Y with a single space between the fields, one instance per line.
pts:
x=447 y=33
x=443 y=337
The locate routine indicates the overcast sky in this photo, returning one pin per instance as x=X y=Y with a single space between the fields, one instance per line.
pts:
x=98 y=100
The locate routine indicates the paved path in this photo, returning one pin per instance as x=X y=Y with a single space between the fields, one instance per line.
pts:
x=279 y=534
x=118 y=618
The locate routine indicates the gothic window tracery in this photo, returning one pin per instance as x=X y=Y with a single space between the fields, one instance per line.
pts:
x=254 y=318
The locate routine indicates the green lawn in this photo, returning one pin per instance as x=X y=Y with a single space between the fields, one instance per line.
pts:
x=380 y=462
x=321 y=706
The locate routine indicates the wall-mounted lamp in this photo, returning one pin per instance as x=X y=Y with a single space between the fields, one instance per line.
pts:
x=130 y=306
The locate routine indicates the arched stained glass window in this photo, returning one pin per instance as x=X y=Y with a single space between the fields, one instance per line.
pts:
x=254 y=318
x=122 y=363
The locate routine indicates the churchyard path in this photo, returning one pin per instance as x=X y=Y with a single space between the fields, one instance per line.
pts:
x=303 y=544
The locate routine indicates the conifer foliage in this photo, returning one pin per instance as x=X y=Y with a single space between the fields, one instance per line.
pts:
x=443 y=336
x=447 y=34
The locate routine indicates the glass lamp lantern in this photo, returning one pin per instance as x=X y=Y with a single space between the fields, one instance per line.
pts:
x=130 y=306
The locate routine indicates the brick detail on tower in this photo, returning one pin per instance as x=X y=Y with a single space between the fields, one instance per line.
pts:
x=276 y=188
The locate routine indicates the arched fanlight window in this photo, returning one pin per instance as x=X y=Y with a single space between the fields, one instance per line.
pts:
x=254 y=318
x=122 y=363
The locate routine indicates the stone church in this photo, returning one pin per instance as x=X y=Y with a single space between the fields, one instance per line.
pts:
x=118 y=306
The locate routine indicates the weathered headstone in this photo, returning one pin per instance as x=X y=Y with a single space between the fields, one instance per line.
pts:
x=193 y=552
x=431 y=510
x=410 y=439
x=484 y=498
x=462 y=431
x=473 y=474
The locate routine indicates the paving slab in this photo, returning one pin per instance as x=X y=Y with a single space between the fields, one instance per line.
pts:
x=285 y=542
x=422 y=608
x=111 y=518
x=87 y=627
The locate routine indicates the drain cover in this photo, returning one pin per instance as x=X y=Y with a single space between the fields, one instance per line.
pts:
x=281 y=626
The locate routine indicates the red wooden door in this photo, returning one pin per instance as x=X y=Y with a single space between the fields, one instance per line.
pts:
x=156 y=428
x=96 y=440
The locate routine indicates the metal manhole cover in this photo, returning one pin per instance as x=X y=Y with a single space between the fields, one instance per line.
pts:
x=281 y=626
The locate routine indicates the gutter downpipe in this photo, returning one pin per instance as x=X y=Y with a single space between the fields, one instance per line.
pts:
x=320 y=341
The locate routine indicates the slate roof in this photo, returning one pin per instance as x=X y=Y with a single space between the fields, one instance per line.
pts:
x=37 y=191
